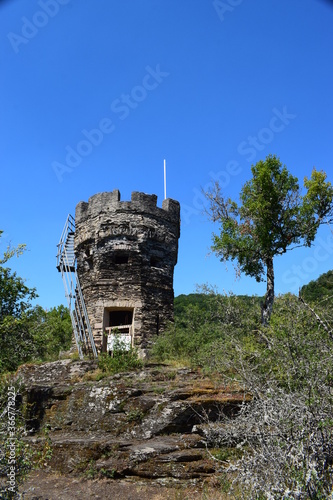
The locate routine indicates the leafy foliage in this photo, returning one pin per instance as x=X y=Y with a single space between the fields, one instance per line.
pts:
x=52 y=331
x=35 y=335
x=320 y=289
x=202 y=322
x=27 y=333
x=15 y=296
x=121 y=360
x=273 y=217
x=10 y=252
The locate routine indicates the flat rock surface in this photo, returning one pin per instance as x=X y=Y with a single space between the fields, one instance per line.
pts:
x=42 y=485
x=131 y=432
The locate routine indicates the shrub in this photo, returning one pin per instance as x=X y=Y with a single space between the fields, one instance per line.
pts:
x=200 y=328
x=121 y=360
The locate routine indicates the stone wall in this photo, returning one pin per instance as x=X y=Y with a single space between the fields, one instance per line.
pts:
x=126 y=252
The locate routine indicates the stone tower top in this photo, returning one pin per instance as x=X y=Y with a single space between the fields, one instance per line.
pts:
x=140 y=202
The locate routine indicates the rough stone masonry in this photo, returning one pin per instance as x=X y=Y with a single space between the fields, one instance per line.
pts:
x=126 y=252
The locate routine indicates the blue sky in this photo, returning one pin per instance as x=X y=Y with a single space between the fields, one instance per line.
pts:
x=96 y=93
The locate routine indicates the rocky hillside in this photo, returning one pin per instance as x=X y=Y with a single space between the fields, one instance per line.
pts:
x=149 y=424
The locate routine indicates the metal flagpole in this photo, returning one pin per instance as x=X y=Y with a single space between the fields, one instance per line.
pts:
x=164 y=180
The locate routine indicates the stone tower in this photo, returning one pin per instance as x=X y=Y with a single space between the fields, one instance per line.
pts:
x=126 y=253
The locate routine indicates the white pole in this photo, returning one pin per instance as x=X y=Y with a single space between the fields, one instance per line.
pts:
x=164 y=180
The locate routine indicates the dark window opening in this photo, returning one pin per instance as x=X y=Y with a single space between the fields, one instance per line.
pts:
x=121 y=317
x=121 y=258
x=155 y=262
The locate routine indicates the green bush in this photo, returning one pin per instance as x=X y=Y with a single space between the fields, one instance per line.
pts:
x=202 y=330
x=122 y=359
x=36 y=335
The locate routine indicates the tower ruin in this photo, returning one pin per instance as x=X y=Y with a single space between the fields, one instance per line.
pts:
x=125 y=253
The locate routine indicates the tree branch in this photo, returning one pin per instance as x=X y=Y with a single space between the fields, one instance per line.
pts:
x=320 y=321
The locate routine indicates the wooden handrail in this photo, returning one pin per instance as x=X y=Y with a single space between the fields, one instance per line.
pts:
x=109 y=329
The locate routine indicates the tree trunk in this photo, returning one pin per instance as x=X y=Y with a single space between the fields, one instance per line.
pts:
x=267 y=306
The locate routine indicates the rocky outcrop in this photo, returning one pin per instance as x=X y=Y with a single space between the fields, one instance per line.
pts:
x=145 y=424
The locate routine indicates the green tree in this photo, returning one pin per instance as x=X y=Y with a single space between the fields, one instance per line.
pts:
x=15 y=299
x=14 y=294
x=272 y=218
x=26 y=332
x=319 y=290
x=51 y=331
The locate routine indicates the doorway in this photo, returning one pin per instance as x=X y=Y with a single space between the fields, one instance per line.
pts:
x=118 y=328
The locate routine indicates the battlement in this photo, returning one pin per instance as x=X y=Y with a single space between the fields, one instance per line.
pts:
x=140 y=203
